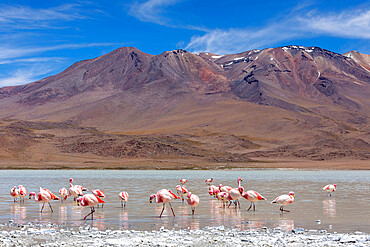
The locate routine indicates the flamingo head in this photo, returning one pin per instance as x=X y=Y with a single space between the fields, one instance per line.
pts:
x=291 y=193
x=20 y=186
x=79 y=201
x=71 y=180
x=216 y=191
x=241 y=190
x=151 y=197
x=189 y=194
x=178 y=187
x=240 y=179
x=220 y=186
x=32 y=194
x=335 y=186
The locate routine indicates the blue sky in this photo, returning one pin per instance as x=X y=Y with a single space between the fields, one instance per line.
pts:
x=40 y=38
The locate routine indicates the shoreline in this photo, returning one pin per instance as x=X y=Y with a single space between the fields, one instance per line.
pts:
x=135 y=164
x=62 y=235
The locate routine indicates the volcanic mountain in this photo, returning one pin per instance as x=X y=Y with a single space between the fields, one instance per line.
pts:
x=287 y=102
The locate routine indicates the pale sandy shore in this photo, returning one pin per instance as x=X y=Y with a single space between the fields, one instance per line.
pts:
x=12 y=234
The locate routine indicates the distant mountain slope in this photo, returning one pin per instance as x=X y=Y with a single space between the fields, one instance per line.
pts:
x=285 y=101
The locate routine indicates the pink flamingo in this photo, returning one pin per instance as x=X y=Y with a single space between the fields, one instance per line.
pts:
x=89 y=200
x=14 y=192
x=164 y=196
x=100 y=194
x=193 y=201
x=224 y=197
x=182 y=192
x=63 y=194
x=251 y=196
x=22 y=192
x=75 y=190
x=212 y=190
x=124 y=198
x=45 y=196
x=209 y=181
x=224 y=188
x=183 y=181
x=284 y=200
x=330 y=188
x=235 y=193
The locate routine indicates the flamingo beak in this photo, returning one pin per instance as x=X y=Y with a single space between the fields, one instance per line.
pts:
x=29 y=197
x=78 y=203
x=150 y=200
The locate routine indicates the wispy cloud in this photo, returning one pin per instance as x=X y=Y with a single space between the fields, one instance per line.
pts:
x=151 y=11
x=354 y=24
x=11 y=52
x=349 y=24
x=25 y=75
x=24 y=17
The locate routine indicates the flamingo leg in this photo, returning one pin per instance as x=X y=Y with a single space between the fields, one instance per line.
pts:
x=172 y=210
x=239 y=204
x=162 y=210
x=102 y=205
x=50 y=207
x=42 y=207
x=125 y=204
x=254 y=207
x=229 y=204
x=193 y=210
x=121 y=203
x=92 y=213
x=250 y=207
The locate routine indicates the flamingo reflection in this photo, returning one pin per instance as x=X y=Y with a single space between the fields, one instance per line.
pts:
x=329 y=207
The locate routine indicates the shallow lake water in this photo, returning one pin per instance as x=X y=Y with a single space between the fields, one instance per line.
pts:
x=346 y=211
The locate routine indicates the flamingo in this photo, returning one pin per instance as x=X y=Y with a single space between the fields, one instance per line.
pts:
x=183 y=181
x=284 y=200
x=89 y=200
x=193 y=201
x=251 y=196
x=45 y=196
x=209 y=181
x=124 y=197
x=212 y=190
x=75 y=190
x=164 y=196
x=235 y=193
x=63 y=194
x=224 y=188
x=100 y=194
x=22 y=192
x=14 y=192
x=330 y=188
x=182 y=192
x=224 y=197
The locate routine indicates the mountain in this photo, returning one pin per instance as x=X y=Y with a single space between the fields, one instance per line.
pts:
x=287 y=102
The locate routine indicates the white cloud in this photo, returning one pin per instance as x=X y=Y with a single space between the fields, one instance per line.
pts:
x=150 y=11
x=24 y=17
x=25 y=75
x=7 y=52
x=354 y=24
x=349 y=24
